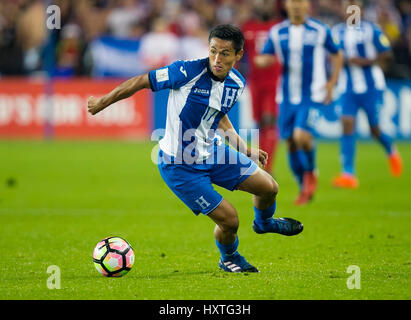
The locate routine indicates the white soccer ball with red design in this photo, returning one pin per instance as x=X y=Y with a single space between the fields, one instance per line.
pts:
x=113 y=257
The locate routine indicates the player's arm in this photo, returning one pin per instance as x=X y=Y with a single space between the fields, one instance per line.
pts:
x=264 y=60
x=383 y=48
x=267 y=55
x=380 y=59
x=239 y=144
x=337 y=62
x=123 y=91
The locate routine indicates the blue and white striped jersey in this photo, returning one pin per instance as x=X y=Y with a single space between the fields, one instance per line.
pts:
x=197 y=102
x=302 y=50
x=365 y=41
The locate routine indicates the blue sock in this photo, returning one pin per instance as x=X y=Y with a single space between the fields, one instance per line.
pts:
x=347 y=153
x=227 y=250
x=262 y=216
x=296 y=166
x=386 y=142
x=307 y=159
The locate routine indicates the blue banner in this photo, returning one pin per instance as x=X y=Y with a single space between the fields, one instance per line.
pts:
x=116 y=57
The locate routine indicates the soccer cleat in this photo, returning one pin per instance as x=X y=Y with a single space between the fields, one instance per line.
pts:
x=345 y=181
x=284 y=226
x=395 y=163
x=236 y=264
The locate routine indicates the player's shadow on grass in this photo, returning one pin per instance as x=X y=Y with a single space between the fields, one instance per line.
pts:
x=144 y=276
x=178 y=273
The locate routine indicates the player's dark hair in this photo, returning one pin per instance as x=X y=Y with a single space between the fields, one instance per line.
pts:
x=228 y=32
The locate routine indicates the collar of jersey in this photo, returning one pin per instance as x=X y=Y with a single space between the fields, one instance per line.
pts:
x=212 y=76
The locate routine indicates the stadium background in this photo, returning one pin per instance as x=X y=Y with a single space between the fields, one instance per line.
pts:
x=103 y=41
x=67 y=180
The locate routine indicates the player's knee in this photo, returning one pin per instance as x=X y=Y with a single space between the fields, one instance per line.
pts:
x=348 y=130
x=348 y=125
x=302 y=139
x=291 y=145
x=230 y=222
x=271 y=188
x=275 y=187
x=375 y=131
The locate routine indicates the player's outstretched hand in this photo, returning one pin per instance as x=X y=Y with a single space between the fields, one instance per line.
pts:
x=262 y=157
x=264 y=60
x=94 y=105
x=358 y=61
x=258 y=155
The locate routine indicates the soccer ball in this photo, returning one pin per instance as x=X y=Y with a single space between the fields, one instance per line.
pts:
x=113 y=257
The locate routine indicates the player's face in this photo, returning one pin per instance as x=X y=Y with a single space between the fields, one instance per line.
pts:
x=297 y=10
x=222 y=56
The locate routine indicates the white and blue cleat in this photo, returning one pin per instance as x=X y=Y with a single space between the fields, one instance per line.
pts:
x=237 y=264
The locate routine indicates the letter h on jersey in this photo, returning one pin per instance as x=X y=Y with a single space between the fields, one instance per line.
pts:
x=230 y=95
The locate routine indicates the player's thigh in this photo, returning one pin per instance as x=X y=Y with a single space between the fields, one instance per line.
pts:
x=286 y=120
x=304 y=125
x=371 y=103
x=260 y=183
x=349 y=104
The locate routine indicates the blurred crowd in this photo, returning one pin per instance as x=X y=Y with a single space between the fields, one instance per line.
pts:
x=167 y=29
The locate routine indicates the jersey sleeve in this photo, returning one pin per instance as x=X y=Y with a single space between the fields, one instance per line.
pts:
x=336 y=34
x=332 y=43
x=380 y=41
x=268 y=46
x=172 y=76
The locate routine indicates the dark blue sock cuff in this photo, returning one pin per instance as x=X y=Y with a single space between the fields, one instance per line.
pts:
x=227 y=249
x=265 y=214
x=348 y=135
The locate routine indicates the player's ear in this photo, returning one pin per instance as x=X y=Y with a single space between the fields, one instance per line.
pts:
x=239 y=54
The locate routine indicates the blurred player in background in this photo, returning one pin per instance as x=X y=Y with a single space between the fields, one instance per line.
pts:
x=362 y=82
x=202 y=93
x=262 y=81
x=300 y=44
x=160 y=46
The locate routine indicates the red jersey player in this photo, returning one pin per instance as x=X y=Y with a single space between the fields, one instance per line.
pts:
x=262 y=82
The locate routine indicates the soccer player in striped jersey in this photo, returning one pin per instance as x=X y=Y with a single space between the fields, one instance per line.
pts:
x=362 y=85
x=301 y=45
x=192 y=156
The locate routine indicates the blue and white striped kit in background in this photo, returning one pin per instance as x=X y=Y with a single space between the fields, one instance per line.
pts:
x=302 y=50
x=361 y=87
x=365 y=41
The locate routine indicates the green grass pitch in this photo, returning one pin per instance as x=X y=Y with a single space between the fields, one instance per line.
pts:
x=58 y=199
